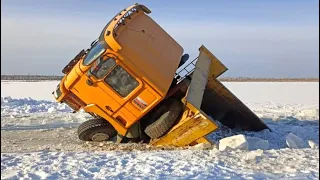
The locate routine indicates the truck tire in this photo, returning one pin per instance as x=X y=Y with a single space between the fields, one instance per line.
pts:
x=164 y=118
x=96 y=130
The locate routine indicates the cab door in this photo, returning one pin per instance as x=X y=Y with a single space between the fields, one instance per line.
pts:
x=112 y=77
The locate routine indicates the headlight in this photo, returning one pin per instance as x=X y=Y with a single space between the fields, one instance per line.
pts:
x=57 y=92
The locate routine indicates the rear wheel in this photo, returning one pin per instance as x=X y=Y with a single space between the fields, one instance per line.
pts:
x=96 y=130
x=164 y=118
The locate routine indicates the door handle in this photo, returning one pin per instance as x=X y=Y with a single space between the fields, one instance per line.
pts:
x=109 y=108
x=89 y=82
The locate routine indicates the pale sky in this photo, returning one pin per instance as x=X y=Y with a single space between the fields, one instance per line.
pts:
x=252 y=38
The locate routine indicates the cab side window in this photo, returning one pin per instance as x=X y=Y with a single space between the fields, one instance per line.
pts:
x=102 y=67
x=121 y=81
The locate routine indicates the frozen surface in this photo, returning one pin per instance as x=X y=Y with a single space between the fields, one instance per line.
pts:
x=285 y=107
x=294 y=141
x=36 y=90
x=306 y=93
x=255 y=143
x=182 y=164
x=312 y=144
x=234 y=142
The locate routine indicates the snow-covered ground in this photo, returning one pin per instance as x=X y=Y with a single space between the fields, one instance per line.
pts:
x=285 y=107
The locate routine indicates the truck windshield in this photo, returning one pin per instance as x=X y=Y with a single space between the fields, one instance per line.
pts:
x=97 y=50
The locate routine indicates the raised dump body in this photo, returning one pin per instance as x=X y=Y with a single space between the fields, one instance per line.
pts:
x=208 y=100
x=228 y=109
x=216 y=100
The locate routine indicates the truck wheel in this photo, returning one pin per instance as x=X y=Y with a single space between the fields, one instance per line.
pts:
x=96 y=130
x=164 y=118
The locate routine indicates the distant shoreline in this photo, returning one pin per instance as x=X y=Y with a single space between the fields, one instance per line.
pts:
x=34 y=78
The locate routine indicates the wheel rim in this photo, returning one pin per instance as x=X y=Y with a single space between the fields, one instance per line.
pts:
x=100 y=137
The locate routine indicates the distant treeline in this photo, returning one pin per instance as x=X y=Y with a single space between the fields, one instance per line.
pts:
x=249 y=79
x=225 y=79
x=30 y=77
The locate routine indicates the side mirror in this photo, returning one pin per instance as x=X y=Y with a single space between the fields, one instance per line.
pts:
x=184 y=59
x=70 y=65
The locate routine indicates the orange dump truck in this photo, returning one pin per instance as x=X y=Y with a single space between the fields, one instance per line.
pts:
x=128 y=81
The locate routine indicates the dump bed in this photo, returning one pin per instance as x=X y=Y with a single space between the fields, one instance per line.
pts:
x=216 y=100
x=207 y=100
x=222 y=105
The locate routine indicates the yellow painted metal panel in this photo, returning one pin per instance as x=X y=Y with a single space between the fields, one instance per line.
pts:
x=199 y=81
x=216 y=67
x=188 y=130
x=117 y=125
x=200 y=140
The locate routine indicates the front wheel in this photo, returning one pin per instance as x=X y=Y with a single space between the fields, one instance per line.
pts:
x=96 y=130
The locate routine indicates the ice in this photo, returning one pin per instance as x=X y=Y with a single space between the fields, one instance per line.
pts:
x=234 y=142
x=293 y=141
x=313 y=144
x=51 y=109
x=255 y=143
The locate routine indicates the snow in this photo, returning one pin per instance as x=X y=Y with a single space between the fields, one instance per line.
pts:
x=186 y=164
x=254 y=155
x=234 y=142
x=287 y=108
x=201 y=146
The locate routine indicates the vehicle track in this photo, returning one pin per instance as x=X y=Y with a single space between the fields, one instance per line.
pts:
x=62 y=139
